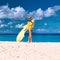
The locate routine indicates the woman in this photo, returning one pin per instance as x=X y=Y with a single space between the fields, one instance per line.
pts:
x=30 y=26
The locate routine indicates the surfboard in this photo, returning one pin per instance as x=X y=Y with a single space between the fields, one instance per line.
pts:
x=21 y=34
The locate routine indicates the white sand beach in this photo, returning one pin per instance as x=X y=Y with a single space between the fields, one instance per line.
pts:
x=29 y=51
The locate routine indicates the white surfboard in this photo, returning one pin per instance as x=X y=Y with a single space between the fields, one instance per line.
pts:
x=21 y=34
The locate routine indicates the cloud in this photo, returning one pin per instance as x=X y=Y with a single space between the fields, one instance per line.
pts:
x=4 y=10
x=10 y=23
x=19 y=25
x=13 y=13
x=17 y=13
x=59 y=31
x=7 y=31
x=37 y=15
x=41 y=30
x=56 y=8
x=21 y=14
x=3 y=25
x=49 y=12
x=45 y=24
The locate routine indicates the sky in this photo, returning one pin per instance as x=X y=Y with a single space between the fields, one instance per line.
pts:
x=14 y=14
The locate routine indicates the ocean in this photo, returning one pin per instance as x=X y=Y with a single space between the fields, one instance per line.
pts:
x=35 y=38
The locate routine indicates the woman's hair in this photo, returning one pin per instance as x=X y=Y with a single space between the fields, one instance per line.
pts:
x=29 y=18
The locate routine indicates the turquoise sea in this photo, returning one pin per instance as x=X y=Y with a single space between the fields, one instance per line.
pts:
x=35 y=38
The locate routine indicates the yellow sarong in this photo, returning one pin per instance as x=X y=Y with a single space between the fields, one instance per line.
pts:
x=21 y=34
x=30 y=25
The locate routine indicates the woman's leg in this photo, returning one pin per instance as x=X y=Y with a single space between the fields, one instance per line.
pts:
x=30 y=35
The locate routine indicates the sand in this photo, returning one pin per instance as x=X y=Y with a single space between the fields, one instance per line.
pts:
x=29 y=51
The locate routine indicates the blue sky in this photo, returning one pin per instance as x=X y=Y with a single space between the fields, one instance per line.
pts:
x=14 y=13
x=31 y=4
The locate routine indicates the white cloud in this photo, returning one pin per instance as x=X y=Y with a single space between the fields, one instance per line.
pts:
x=37 y=15
x=45 y=24
x=49 y=12
x=3 y=25
x=16 y=13
x=56 y=8
x=21 y=14
x=7 y=31
x=19 y=25
x=4 y=10
x=9 y=23
x=41 y=30
x=59 y=31
x=2 y=15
